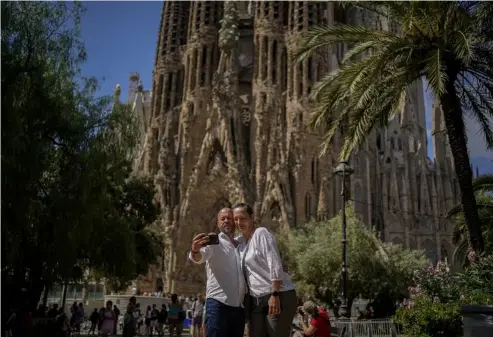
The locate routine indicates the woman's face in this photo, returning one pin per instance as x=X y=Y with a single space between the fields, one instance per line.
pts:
x=243 y=221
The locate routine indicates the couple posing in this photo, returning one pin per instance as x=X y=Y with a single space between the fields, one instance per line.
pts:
x=245 y=279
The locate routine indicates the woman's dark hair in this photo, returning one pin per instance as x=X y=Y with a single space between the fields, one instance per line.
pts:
x=174 y=298
x=248 y=209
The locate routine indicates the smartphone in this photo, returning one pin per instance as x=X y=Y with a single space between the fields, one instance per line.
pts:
x=213 y=239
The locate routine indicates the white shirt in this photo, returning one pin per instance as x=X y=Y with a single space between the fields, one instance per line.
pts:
x=225 y=279
x=198 y=308
x=263 y=263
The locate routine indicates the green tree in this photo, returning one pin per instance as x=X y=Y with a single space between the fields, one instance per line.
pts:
x=483 y=188
x=69 y=201
x=447 y=43
x=375 y=269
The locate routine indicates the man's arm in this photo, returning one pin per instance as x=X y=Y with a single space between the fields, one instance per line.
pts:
x=200 y=252
x=203 y=255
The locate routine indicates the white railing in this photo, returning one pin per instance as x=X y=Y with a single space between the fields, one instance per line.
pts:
x=366 y=328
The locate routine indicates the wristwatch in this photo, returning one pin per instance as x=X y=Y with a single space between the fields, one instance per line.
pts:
x=275 y=293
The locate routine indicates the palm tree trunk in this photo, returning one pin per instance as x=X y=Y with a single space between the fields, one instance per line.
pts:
x=456 y=132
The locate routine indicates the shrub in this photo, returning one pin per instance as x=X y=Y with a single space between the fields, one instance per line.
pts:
x=437 y=297
x=426 y=317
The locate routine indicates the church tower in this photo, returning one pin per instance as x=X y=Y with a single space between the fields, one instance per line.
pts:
x=229 y=123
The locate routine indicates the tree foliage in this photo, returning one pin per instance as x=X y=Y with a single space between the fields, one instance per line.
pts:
x=375 y=269
x=447 y=43
x=69 y=200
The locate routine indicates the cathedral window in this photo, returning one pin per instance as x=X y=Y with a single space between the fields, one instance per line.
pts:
x=308 y=207
x=300 y=18
x=257 y=56
x=203 y=67
x=311 y=15
x=207 y=13
x=310 y=68
x=444 y=253
x=168 y=92
x=314 y=171
x=392 y=143
x=300 y=79
x=265 y=50
x=275 y=8
x=195 y=57
x=399 y=144
x=179 y=86
x=266 y=9
x=284 y=62
x=191 y=109
x=233 y=134
x=285 y=13
x=339 y=15
x=198 y=14
x=274 y=62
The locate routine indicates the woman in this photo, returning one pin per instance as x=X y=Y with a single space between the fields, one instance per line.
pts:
x=175 y=311
x=273 y=295
x=108 y=320
x=148 y=320
x=319 y=324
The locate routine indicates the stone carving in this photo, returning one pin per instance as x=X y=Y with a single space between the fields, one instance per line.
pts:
x=215 y=138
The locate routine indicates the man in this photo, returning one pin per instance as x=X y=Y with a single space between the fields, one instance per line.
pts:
x=197 y=314
x=225 y=316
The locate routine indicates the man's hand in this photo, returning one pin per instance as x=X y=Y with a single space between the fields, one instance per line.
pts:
x=198 y=242
x=274 y=305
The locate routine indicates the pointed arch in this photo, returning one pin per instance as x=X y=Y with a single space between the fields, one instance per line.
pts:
x=446 y=251
x=430 y=249
x=397 y=241
x=412 y=244
x=217 y=154
x=379 y=141
x=308 y=206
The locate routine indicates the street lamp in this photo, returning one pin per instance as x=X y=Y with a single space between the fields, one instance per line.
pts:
x=344 y=170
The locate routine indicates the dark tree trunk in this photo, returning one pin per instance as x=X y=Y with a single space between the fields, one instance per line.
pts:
x=456 y=132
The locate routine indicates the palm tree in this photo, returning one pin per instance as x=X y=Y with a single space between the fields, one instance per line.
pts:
x=447 y=43
x=483 y=187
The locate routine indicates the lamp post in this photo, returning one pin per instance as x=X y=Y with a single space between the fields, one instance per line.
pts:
x=344 y=170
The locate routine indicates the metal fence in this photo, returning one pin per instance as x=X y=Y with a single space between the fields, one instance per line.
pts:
x=366 y=328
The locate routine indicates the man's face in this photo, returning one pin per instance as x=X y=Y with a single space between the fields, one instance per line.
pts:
x=225 y=221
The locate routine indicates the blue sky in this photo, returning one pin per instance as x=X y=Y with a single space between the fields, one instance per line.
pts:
x=121 y=36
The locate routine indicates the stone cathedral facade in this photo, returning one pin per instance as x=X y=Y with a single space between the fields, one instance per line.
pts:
x=226 y=121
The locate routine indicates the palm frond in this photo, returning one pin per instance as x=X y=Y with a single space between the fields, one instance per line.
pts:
x=322 y=37
x=454 y=211
x=483 y=183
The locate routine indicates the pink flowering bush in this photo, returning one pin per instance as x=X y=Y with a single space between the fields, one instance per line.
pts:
x=436 y=282
x=436 y=298
x=433 y=308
